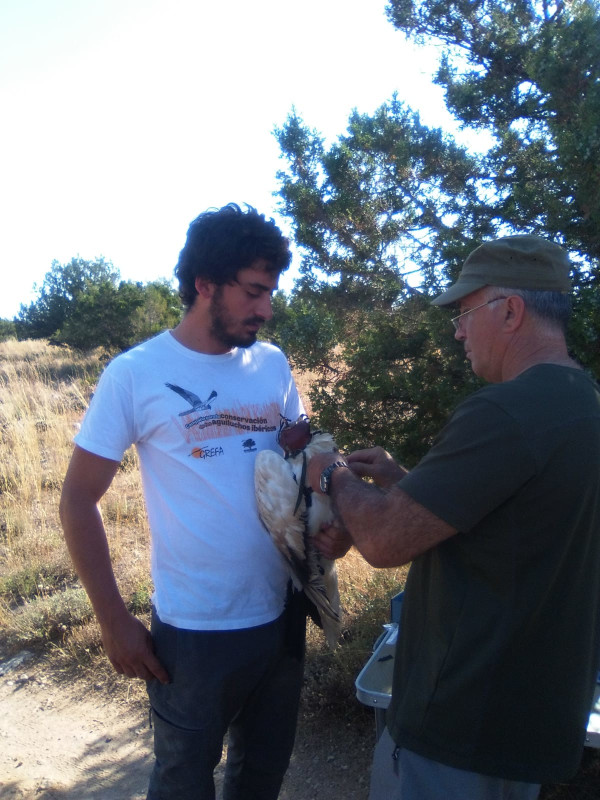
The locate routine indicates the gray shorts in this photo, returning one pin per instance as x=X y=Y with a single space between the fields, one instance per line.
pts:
x=400 y=774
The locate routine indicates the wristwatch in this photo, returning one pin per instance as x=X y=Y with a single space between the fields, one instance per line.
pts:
x=325 y=481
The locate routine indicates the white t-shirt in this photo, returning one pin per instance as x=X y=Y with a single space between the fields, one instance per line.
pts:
x=197 y=422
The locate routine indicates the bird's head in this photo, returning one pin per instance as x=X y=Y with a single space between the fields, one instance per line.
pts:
x=294 y=436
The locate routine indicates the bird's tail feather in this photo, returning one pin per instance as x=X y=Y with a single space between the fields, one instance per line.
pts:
x=329 y=615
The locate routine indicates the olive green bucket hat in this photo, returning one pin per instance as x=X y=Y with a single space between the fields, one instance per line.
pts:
x=516 y=262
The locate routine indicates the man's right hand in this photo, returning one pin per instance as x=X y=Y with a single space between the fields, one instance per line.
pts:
x=378 y=464
x=128 y=645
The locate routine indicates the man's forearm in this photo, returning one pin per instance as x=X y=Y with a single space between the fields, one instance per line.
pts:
x=387 y=526
x=127 y=642
x=362 y=508
x=88 y=547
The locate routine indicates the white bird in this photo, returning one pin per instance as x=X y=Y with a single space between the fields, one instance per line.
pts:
x=292 y=513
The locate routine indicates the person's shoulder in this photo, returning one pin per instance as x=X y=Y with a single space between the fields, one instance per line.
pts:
x=139 y=354
x=266 y=347
x=488 y=401
x=536 y=388
x=267 y=351
x=524 y=383
x=159 y=342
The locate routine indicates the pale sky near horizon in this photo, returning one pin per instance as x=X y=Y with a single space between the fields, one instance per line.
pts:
x=122 y=120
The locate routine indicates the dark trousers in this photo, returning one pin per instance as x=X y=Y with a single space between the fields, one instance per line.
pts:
x=244 y=681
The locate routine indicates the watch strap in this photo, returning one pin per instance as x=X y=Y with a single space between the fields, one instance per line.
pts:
x=325 y=482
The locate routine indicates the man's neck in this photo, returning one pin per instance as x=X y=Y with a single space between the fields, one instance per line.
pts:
x=546 y=353
x=196 y=336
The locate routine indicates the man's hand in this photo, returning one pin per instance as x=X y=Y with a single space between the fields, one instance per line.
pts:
x=376 y=463
x=333 y=541
x=128 y=645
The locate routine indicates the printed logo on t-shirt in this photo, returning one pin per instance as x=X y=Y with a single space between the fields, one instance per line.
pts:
x=207 y=452
x=201 y=421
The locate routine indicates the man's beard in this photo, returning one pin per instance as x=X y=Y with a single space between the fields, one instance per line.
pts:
x=220 y=321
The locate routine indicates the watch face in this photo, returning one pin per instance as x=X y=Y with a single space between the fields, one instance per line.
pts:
x=324 y=481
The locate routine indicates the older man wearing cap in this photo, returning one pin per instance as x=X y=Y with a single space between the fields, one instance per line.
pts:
x=500 y=629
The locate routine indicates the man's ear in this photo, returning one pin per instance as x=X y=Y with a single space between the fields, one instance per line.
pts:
x=515 y=312
x=204 y=288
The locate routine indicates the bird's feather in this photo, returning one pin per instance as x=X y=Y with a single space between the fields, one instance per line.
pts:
x=292 y=514
x=277 y=493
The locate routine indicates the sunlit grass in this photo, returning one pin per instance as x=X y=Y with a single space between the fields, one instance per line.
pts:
x=44 y=391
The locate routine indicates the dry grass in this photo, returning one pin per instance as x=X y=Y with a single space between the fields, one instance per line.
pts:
x=43 y=393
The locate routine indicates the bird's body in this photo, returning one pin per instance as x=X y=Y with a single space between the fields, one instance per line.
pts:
x=292 y=514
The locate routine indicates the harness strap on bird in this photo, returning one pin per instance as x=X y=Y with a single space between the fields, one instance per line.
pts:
x=302 y=484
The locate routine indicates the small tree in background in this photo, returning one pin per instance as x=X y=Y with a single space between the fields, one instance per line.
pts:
x=83 y=304
x=59 y=293
x=8 y=330
x=117 y=317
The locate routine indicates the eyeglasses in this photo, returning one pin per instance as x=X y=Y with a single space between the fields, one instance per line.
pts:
x=456 y=320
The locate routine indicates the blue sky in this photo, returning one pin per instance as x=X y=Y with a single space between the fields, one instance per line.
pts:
x=124 y=119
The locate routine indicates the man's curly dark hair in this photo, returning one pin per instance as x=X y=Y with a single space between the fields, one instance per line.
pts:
x=220 y=242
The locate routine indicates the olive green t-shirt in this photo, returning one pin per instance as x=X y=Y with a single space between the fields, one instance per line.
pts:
x=500 y=638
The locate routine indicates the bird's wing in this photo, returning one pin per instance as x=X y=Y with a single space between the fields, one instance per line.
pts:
x=192 y=398
x=276 y=496
x=322 y=589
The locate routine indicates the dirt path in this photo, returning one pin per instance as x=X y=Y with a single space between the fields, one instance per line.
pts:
x=62 y=740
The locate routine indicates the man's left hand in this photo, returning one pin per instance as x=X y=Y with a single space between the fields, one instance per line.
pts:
x=333 y=541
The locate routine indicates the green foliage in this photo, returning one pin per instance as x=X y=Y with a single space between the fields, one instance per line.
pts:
x=380 y=204
x=117 y=317
x=48 y=617
x=59 y=293
x=305 y=329
x=378 y=207
x=141 y=600
x=529 y=74
x=8 y=330
x=585 y=324
x=84 y=305
x=392 y=205
x=32 y=581
x=160 y=309
x=403 y=375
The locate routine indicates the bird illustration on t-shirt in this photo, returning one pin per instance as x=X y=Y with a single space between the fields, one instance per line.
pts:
x=196 y=403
